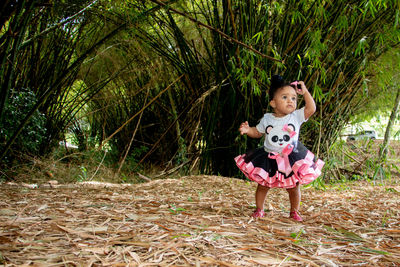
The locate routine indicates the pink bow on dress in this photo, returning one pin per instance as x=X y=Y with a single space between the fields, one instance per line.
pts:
x=283 y=159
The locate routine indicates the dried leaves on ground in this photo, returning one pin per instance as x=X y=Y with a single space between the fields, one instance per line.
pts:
x=199 y=221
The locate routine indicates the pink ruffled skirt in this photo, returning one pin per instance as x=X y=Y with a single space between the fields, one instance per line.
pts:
x=273 y=170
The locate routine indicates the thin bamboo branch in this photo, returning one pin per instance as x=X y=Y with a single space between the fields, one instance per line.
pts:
x=224 y=35
x=185 y=111
x=52 y=28
x=98 y=167
x=139 y=112
x=133 y=136
x=298 y=38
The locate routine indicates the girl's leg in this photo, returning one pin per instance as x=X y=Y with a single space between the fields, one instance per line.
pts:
x=261 y=194
x=294 y=197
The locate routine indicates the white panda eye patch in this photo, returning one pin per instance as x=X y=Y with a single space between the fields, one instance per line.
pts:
x=275 y=138
x=286 y=137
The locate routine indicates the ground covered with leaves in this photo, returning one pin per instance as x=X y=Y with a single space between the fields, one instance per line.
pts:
x=199 y=221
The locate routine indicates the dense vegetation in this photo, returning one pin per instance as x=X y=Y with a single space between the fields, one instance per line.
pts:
x=168 y=82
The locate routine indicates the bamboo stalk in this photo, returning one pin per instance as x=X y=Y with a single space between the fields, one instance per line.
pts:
x=384 y=148
x=232 y=18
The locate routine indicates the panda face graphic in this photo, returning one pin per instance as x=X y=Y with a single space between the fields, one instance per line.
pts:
x=279 y=137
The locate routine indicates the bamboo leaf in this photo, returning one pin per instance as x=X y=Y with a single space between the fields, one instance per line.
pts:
x=257 y=36
x=381 y=252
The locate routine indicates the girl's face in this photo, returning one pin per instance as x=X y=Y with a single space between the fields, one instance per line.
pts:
x=284 y=101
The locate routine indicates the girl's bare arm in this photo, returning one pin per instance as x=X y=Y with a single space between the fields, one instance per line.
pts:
x=249 y=131
x=310 y=106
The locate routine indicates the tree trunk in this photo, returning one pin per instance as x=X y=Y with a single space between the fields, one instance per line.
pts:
x=384 y=149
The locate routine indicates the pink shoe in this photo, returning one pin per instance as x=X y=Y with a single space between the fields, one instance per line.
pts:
x=295 y=216
x=258 y=213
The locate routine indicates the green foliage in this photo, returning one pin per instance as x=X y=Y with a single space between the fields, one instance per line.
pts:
x=50 y=44
x=356 y=160
x=176 y=210
x=19 y=103
x=381 y=86
x=296 y=236
x=132 y=160
x=83 y=176
x=182 y=156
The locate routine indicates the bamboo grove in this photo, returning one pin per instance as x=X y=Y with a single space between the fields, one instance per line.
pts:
x=169 y=82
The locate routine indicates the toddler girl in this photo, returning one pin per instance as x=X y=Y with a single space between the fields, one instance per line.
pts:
x=283 y=161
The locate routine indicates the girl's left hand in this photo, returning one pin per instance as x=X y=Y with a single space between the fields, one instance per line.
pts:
x=303 y=89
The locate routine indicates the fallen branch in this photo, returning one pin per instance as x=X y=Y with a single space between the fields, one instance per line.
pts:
x=144 y=177
x=171 y=170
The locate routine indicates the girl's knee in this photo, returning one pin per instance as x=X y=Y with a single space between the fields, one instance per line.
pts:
x=263 y=188
x=293 y=189
x=289 y=190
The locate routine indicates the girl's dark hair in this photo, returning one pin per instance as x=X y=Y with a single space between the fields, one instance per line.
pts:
x=277 y=82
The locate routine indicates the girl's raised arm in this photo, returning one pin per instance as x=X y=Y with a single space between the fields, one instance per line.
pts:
x=310 y=106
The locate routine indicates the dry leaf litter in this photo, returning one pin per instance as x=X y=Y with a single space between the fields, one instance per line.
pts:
x=197 y=221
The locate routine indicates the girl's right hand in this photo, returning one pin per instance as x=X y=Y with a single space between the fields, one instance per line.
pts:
x=244 y=128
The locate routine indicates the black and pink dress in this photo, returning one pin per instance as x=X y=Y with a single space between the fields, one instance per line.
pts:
x=283 y=161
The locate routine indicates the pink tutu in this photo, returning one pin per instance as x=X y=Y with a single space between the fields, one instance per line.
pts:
x=297 y=165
